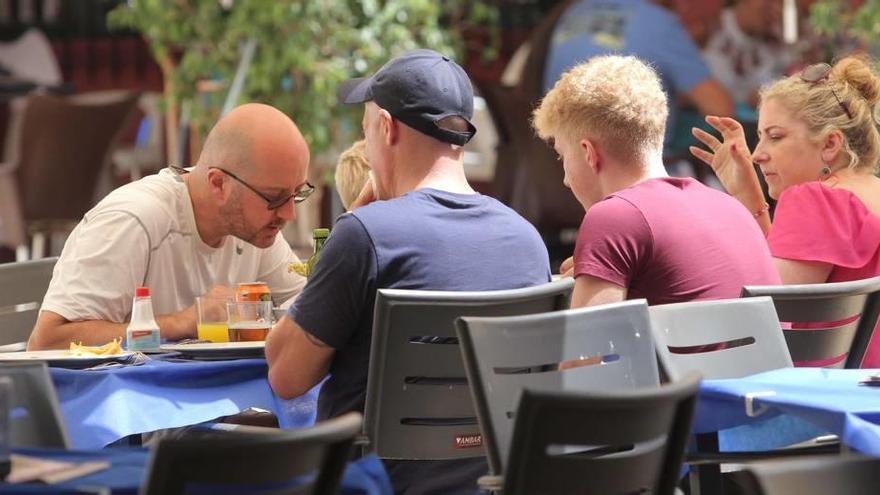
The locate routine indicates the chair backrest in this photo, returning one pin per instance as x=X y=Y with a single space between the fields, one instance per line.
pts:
x=852 y=475
x=727 y=338
x=630 y=441
x=837 y=318
x=525 y=177
x=587 y=349
x=270 y=457
x=418 y=403
x=35 y=415
x=64 y=147
x=22 y=287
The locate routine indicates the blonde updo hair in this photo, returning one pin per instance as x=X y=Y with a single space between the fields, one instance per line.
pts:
x=352 y=172
x=858 y=87
x=617 y=100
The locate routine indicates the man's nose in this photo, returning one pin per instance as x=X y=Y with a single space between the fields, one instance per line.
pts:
x=287 y=211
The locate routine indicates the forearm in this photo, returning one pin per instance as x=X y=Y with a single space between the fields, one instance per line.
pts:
x=178 y=325
x=297 y=360
x=752 y=197
x=54 y=332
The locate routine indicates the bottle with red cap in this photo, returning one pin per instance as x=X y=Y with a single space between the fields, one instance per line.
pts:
x=143 y=331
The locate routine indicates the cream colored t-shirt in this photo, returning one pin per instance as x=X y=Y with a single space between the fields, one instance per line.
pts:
x=144 y=234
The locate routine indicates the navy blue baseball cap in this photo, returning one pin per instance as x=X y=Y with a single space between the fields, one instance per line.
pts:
x=420 y=88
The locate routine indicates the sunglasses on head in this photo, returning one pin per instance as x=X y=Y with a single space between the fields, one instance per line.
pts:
x=821 y=72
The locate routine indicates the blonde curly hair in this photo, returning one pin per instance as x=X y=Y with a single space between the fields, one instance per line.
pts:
x=617 y=100
x=854 y=81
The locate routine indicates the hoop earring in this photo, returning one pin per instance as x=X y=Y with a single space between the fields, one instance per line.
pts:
x=824 y=171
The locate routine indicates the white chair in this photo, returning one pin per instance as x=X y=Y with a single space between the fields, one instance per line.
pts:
x=727 y=338
x=22 y=287
x=505 y=355
x=842 y=317
x=36 y=420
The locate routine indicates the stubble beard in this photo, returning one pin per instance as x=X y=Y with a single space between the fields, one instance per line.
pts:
x=237 y=226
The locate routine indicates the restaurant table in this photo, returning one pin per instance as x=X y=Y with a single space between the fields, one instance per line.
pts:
x=103 y=406
x=127 y=472
x=778 y=408
x=808 y=400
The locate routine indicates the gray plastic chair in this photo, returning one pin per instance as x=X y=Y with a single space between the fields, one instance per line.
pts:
x=847 y=309
x=850 y=475
x=35 y=417
x=22 y=287
x=418 y=403
x=504 y=356
x=254 y=456
x=727 y=338
x=636 y=438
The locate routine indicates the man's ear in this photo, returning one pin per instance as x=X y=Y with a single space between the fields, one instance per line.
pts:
x=217 y=184
x=833 y=146
x=390 y=127
x=591 y=154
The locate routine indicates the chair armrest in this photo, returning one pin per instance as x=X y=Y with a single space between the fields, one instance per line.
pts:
x=15 y=347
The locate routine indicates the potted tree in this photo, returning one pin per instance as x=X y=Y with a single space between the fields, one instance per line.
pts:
x=303 y=50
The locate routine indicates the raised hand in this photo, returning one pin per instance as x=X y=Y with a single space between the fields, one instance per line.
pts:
x=566 y=269
x=730 y=159
x=366 y=196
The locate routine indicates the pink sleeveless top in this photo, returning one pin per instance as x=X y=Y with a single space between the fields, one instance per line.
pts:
x=814 y=222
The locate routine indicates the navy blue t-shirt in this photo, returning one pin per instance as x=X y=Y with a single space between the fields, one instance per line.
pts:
x=426 y=239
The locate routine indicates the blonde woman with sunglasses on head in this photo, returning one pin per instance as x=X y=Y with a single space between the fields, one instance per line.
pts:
x=818 y=149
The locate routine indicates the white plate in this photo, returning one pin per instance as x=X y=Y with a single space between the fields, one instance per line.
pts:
x=63 y=359
x=218 y=350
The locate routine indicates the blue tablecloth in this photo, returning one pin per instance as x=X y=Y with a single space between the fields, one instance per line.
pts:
x=127 y=472
x=102 y=406
x=828 y=400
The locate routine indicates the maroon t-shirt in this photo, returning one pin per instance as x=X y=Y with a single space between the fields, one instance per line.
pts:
x=672 y=240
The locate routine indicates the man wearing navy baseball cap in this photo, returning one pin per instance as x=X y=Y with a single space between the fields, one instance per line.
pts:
x=424 y=228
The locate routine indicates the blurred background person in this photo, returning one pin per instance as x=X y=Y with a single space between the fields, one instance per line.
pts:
x=747 y=50
x=643 y=29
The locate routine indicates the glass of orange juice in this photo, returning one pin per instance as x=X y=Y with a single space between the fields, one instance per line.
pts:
x=213 y=318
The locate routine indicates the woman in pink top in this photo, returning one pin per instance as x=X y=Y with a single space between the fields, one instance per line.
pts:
x=818 y=150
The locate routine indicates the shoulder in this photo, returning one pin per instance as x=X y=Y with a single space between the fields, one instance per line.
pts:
x=619 y=203
x=618 y=213
x=820 y=223
x=812 y=191
x=660 y=16
x=815 y=202
x=157 y=202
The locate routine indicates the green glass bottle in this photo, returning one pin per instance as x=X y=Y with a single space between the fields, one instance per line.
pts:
x=320 y=236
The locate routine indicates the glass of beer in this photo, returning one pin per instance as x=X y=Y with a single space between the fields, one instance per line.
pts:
x=213 y=318
x=249 y=320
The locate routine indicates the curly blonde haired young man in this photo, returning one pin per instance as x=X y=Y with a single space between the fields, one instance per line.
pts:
x=645 y=234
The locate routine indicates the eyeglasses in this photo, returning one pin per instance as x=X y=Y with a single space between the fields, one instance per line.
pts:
x=297 y=196
x=818 y=73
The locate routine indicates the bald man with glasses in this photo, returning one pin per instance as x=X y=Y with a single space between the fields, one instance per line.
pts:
x=184 y=233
